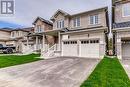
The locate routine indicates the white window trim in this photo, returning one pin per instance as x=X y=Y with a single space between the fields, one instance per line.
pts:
x=12 y=34
x=76 y=22
x=123 y=15
x=94 y=20
x=58 y=23
x=38 y=30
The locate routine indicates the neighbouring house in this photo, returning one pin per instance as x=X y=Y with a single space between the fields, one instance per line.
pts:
x=28 y=40
x=5 y=34
x=14 y=37
x=80 y=35
x=19 y=40
x=40 y=26
x=121 y=28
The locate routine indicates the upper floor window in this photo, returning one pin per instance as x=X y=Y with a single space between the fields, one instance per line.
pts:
x=94 y=19
x=39 y=29
x=60 y=24
x=126 y=9
x=12 y=34
x=18 y=33
x=76 y=22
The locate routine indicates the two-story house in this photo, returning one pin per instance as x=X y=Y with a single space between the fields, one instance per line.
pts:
x=18 y=38
x=82 y=35
x=28 y=40
x=40 y=26
x=121 y=28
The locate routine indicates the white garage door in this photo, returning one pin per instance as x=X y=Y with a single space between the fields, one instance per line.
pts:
x=89 y=48
x=86 y=48
x=70 y=48
x=126 y=50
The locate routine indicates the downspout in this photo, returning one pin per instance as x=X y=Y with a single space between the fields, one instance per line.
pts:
x=110 y=34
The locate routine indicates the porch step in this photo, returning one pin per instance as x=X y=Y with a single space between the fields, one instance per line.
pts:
x=51 y=52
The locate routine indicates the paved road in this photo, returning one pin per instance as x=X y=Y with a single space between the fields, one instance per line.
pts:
x=57 y=72
x=126 y=65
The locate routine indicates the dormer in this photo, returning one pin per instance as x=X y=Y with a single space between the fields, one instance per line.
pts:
x=60 y=19
x=41 y=25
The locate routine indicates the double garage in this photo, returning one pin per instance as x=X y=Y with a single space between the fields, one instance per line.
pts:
x=81 y=48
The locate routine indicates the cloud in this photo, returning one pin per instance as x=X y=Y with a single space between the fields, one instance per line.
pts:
x=27 y=10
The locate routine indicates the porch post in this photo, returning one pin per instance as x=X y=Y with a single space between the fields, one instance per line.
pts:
x=43 y=42
x=27 y=41
x=59 y=41
x=36 y=42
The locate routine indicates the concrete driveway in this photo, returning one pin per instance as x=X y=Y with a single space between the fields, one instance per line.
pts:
x=57 y=72
x=126 y=65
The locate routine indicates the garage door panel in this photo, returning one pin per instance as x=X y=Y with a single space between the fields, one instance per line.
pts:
x=70 y=48
x=85 y=48
x=89 y=49
x=126 y=50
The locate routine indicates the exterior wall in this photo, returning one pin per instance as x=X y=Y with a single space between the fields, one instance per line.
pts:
x=84 y=20
x=120 y=20
x=45 y=27
x=92 y=35
x=119 y=14
x=10 y=43
x=4 y=35
x=39 y=22
x=61 y=17
x=2 y=42
x=18 y=34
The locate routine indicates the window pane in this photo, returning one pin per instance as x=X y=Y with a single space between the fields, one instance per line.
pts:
x=96 y=19
x=91 y=20
x=62 y=24
x=76 y=22
x=57 y=24
x=126 y=9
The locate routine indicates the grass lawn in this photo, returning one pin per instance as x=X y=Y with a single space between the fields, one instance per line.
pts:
x=108 y=73
x=11 y=60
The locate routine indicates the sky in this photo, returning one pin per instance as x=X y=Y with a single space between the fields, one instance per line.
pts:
x=27 y=10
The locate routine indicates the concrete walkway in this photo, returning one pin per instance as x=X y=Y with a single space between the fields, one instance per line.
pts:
x=126 y=65
x=57 y=72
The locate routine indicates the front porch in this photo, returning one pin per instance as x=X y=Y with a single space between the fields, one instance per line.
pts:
x=52 y=50
x=32 y=43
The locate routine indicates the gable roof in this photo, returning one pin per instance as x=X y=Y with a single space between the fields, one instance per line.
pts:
x=24 y=29
x=59 y=11
x=6 y=29
x=43 y=20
